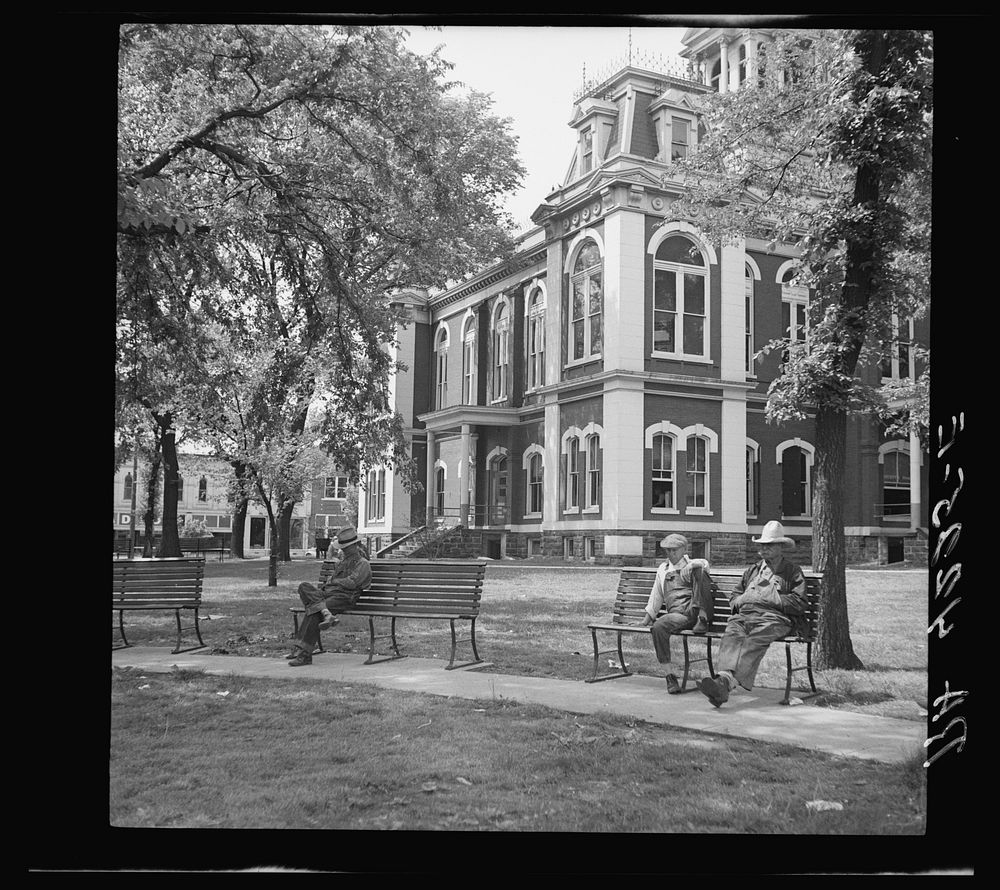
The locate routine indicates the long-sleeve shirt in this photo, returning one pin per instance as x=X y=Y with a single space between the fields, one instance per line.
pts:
x=672 y=587
x=766 y=591
x=352 y=575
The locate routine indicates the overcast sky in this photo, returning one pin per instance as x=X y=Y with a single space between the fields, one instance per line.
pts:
x=532 y=73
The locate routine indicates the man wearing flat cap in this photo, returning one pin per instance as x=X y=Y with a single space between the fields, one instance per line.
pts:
x=767 y=602
x=684 y=589
x=338 y=594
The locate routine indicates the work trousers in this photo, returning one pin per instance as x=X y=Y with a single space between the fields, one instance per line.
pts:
x=668 y=624
x=315 y=599
x=745 y=641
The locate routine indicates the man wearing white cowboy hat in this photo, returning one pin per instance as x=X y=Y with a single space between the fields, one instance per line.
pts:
x=683 y=588
x=340 y=592
x=766 y=602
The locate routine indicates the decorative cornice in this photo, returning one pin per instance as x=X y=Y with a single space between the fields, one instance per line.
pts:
x=484 y=280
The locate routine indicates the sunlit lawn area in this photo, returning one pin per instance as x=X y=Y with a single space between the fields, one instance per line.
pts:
x=190 y=750
x=533 y=622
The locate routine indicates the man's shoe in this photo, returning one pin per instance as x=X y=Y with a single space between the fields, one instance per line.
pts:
x=329 y=620
x=700 y=626
x=300 y=660
x=716 y=690
x=673 y=687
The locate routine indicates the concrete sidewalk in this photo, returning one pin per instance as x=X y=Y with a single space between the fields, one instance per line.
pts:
x=752 y=715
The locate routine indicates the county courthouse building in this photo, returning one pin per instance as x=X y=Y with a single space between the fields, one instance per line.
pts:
x=600 y=389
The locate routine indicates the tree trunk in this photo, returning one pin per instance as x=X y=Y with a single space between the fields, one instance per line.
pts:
x=149 y=514
x=284 y=530
x=272 y=561
x=170 y=544
x=833 y=636
x=240 y=510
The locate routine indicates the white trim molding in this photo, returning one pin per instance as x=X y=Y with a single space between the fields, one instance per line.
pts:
x=666 y=427
x=896 y=445
x=699 y=429
x=574 y=245
x=440 y=464
x=530 y=450
x=679 y=227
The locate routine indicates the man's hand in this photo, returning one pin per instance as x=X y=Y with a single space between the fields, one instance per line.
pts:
x=646 y=621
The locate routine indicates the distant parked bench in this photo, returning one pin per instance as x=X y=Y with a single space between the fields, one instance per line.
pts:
x=203 y=545
x=159 y=584
x=634 y=587
x=431 y=589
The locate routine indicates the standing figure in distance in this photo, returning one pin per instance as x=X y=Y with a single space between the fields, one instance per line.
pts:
x=684 y=588
x=340 y=592
x=766 y=602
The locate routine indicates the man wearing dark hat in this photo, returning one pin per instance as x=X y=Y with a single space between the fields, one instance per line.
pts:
x=684 y=589
x=338 y=594
x=766 y=602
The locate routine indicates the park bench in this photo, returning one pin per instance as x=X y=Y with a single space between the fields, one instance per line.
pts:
x=203 y=545
x=416 y=589
x=634 y=587
x=172 y=584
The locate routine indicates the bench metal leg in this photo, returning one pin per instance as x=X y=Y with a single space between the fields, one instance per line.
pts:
x=371 y=644
x=598 y=676
x=121 y=630
x=454 y=643
x=792 y=670
x=201 y=643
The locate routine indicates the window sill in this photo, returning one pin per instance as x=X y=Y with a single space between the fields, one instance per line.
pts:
x=571 y=511
x=596 y=509
x=532 y=516
x=805 y=517
x=698 y=511
x=669 y=510
x=499 y=401
x=584 y=361
x=680 y=357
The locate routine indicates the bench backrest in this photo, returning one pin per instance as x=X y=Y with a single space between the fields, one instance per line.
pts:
x=635 y=585
x=429 y=587
x=163 y=581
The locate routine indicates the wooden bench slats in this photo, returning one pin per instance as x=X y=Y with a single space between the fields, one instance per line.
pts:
x=173 y=584
x=634 y=587
x=432 y=589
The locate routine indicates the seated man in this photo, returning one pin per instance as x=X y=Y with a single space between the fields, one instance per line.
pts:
x=765 y=601
x=352 y=575
x=682 y=586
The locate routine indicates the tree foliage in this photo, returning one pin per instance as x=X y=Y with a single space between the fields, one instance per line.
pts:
x=276 y=184
x=828 y=148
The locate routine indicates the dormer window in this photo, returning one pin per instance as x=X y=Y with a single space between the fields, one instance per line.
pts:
x=588 y=151
x=680 y=138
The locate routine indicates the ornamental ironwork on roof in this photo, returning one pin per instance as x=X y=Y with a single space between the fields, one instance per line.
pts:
x=667 y=69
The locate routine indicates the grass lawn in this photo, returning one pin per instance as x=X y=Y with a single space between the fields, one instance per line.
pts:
x=533 y=622
x=190 y=750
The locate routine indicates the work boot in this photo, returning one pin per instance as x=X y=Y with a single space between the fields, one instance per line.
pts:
x=673 y=686
x=701 y=625
x=329 y=620
x=300 y=660
x=297 y=650
x=716 y=690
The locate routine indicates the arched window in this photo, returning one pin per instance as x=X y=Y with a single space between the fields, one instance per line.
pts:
x=680 y=305
x=441 y=356
x=593 y=451
x=536 y=474
x=536 y=339
x=203 y=489
x=129 y=487
x=572 y=448
x=748 y=319
x=501 y=351
x=587 y=304
x=697 y=472
x=796 y=457
x=897 y=362
x=498 y=489
x=470 y=396
x=753 y=481
x=663 y=478
x=794 y=309
x=439 y=485
x=896 y=482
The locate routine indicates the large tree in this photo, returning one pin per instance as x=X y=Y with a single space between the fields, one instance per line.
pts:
x=275 y=185
x=827 y=147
